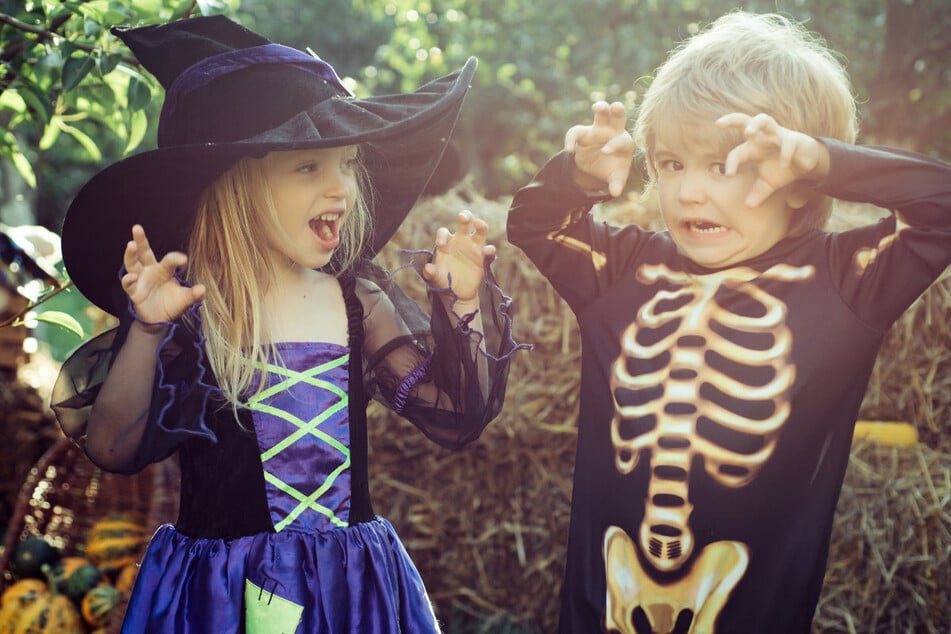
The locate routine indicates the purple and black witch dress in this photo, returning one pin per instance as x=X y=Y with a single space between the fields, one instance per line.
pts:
x=276 y=532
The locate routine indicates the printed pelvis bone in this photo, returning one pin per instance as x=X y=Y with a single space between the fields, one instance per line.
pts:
x=658 y=412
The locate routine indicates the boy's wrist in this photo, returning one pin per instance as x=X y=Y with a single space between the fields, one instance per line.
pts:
x=586 y=182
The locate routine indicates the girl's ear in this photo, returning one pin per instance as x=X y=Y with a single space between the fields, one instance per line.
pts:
x=798 y=196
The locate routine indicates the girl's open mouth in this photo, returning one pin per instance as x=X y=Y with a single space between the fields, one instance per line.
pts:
x=327 y=228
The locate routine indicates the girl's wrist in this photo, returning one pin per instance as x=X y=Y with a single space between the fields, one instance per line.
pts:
x=154 y=329
x=465 y=306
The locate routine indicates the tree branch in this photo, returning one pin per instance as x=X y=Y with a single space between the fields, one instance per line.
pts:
x=48 y=34
x=11 y=51
x=12 y=320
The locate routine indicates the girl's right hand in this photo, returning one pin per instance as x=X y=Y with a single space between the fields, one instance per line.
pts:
x=151 y=285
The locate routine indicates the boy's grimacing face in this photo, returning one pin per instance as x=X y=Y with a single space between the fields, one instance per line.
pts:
x=705 y=210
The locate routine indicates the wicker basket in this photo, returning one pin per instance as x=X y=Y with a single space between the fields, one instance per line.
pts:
x=65 y=493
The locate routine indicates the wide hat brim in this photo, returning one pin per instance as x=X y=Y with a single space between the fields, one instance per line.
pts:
x=402 y=138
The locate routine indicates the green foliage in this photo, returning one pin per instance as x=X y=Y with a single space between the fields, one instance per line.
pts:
x=71 y=96
x=72 y=99
x=543 y=63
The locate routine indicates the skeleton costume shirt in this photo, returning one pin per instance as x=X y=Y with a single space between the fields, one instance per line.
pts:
x=717 y=406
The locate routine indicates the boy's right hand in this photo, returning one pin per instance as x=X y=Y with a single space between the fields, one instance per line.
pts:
x=151 y=285
x=604 y=150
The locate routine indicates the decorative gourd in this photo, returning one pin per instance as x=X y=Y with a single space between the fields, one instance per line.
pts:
x=100 y=604
x=46 y=614
x=12 y=608
x=30 y=555
x=60 y=571
x=15 y=604
x=83 y=579
x=126 y=578
x=21 y=588
x=115 y=541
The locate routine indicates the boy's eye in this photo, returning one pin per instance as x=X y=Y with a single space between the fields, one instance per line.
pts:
x=669 y=165
x=718 y=168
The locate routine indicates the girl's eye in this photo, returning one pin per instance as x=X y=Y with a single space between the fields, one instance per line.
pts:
x=718 y=169
x=669 y=165
x=350 y=163
x=307 y=168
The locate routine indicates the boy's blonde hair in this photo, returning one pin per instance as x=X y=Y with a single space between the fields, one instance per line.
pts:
x=226 y=253
x=752 y=63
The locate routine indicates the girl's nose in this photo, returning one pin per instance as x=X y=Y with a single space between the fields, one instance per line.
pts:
x=340 y=183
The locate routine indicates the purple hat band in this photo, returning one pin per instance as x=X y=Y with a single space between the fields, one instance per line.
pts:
x=201 y=73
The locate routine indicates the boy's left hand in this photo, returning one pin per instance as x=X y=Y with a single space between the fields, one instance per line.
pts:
x=781 y=156
x=460 y=255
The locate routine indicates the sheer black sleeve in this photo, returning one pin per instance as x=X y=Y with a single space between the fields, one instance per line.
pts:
x=445 y=377
x=180 y=395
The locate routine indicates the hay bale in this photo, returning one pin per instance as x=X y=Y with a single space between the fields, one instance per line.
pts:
x=889 y=568
x=488 y=525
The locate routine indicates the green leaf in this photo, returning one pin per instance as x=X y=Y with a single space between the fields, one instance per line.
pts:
x=91 y=28
x=66 y=49
x=50 y=134
x=26 y=170
x=213 y=7
x=10 y=146
x=12 y=100
x=94 y=10
x=137 y=129
x=63 y=320
x=138 y=94
x=108 y=62
x=84 y=140
x=36 y=99
x=75 y=69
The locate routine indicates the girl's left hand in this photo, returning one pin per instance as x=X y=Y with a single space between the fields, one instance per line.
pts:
x=460 y=256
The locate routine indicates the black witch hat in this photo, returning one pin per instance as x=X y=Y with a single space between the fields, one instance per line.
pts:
x=231 y=93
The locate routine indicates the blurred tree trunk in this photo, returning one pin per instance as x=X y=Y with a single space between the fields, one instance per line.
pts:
x=910 y=94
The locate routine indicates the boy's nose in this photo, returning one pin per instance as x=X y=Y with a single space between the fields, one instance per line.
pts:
x=691 y=189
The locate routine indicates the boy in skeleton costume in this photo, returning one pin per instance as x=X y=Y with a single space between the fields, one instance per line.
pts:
x=725 y=359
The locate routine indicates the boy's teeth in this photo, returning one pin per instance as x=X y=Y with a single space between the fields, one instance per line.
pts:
x=705 y=227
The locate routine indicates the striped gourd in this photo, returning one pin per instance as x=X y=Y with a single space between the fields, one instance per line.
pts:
x=99 y=604
x=115 y=541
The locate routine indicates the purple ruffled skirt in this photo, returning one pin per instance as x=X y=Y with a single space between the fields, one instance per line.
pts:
x=355 y=579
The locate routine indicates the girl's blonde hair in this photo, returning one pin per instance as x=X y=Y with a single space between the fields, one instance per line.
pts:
x=227 y=254
x=752 y=63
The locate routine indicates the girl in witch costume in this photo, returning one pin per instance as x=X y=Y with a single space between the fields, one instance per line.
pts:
x=254 y=328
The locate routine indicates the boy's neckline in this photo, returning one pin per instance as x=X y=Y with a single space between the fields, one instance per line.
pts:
x=772 y=255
